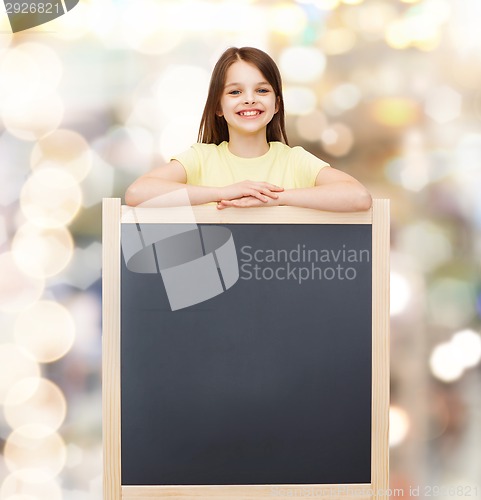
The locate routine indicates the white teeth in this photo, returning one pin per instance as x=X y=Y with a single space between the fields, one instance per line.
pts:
x=249 y=113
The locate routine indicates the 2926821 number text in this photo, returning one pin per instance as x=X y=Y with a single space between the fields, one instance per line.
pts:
x=450 y=491
x=32 y=8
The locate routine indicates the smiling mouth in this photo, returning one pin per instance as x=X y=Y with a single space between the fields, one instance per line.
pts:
x=249 y=113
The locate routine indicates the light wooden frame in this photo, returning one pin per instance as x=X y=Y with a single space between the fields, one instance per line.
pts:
x=113 y=215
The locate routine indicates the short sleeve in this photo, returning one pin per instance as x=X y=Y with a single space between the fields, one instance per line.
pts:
x=190 y=160
x=307 y=167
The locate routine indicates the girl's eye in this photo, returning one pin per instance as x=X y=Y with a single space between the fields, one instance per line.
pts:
x=234 y=92
x=263 y=91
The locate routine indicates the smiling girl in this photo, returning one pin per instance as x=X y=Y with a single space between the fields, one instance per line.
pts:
x=242 y=158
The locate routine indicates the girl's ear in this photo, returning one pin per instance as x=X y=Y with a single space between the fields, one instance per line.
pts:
x=218 y=111
x=278 y=100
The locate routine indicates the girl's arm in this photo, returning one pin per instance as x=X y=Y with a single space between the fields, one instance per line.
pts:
x=334 y=191
x=170 y=177
x=162 y=180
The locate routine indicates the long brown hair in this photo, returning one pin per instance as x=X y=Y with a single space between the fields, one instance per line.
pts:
x=213 y=128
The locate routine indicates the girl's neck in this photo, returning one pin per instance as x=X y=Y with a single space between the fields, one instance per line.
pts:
x=248 y=146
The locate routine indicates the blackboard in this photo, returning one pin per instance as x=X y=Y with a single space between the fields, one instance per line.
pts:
x=269 y=382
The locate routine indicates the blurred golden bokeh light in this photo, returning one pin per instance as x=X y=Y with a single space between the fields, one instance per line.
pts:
x=337 y=41
x=427 y=242
x=310 y=126
x=28 y=72
x=468 y=342
x=65 y=148
x=450 y=359
x=371 y=20
x=72 y=26
x=443 y=104
x=35 y=452
x=40 y=252
x=18 y=290
x=31 y=121
x=299 y=100
x=342 y=98
x=400 y=293
x=451 y=302
x=395 y=112
x=178 y=135
x=50 y=198
x=178 y=79
x=399 y=424
x=446 y=363
x=6 y=38
x=15 y=485
x=21 y=497
x=46 y=331
x=129 y=148
x=15 y=365
x=337 y=139
x=287 y=19
x=301 y=64
x=158 y=41
x=154 y=29
x=35 y=401
x=325 y=4
x=25 y=389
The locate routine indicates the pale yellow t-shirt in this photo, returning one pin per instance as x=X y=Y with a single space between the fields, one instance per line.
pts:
x=214 y=165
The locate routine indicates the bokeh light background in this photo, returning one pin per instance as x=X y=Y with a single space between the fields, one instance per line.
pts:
x=387 y=90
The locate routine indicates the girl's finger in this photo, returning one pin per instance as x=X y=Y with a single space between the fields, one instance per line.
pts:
x=259 y=196
x=268 y=192
x=273 y=187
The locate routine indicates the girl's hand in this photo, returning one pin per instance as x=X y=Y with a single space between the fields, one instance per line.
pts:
x=261 y=191
x=246 y=202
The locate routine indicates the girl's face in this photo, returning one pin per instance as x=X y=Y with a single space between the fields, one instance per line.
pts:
x=248 y=101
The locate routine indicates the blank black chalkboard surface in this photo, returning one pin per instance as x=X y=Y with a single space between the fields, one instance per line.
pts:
x=245 y=352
